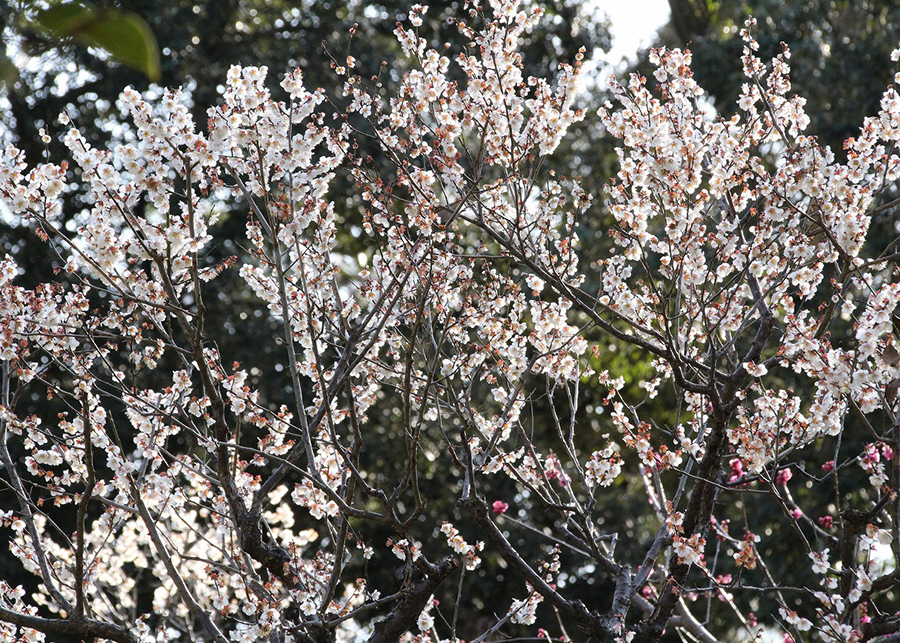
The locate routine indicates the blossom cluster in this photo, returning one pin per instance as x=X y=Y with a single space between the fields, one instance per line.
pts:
x=468 y=338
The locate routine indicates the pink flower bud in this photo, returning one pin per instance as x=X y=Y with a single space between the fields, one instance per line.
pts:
x=783 y=476
x=737 y=470
x=500 y=507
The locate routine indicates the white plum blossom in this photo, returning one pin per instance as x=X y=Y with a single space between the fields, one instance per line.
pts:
x=738 y=323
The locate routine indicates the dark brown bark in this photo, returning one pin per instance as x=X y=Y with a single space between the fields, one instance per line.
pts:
x=88 y=629
x=404 y=615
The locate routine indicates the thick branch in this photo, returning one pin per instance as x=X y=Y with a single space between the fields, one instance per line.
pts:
x=405 y=613
x=84 y=628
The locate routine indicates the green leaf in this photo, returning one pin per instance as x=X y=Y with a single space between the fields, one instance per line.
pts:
x=123 y=34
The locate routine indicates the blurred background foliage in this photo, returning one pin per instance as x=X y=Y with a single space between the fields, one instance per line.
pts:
x=841 y=52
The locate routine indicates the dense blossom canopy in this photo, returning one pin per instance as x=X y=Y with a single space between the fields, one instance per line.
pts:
x=739 y=268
